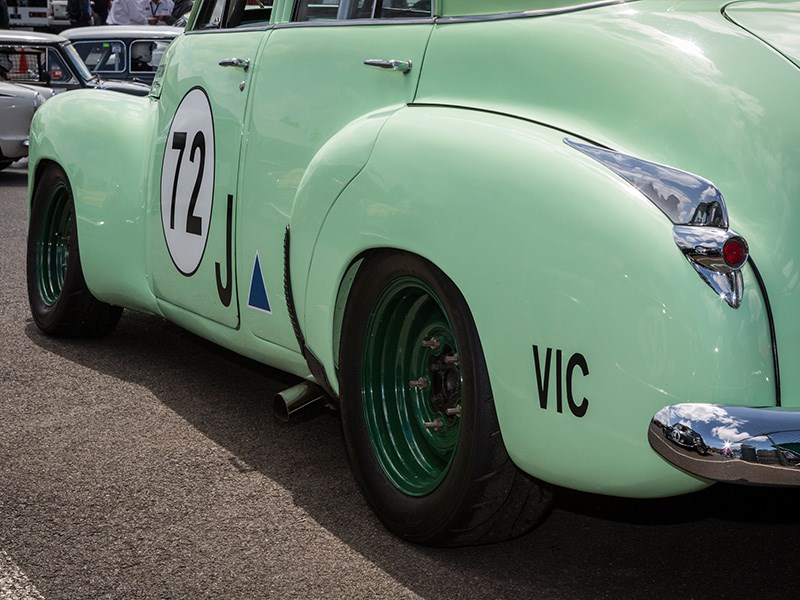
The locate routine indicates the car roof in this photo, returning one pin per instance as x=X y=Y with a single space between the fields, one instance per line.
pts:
x=29 y=37
x=101 y=32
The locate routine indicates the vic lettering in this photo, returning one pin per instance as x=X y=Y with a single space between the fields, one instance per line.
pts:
x=562 y=379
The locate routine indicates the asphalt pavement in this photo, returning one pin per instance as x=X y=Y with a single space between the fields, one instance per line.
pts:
x=148 y=465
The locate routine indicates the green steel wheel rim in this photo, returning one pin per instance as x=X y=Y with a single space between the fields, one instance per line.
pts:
x=411 y=386
x=52 y=245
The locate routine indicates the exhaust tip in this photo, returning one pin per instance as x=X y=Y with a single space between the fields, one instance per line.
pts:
x=288 y=403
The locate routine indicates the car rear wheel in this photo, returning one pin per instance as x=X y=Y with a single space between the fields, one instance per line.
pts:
x=418 y=413
x=60 y=302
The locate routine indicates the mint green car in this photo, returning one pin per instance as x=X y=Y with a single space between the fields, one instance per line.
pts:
x=516 y=243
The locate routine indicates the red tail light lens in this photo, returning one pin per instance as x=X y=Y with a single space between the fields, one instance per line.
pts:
x=734 y=252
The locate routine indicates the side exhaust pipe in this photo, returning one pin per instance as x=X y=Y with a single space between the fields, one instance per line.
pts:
x=296 y=398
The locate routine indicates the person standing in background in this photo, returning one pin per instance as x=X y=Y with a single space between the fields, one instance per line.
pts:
x=160 y=10
x=128 y=12
x=5 y=21
x=101 y=8
x=79 y=12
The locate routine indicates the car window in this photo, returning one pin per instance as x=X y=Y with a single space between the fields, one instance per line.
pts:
x=105 y=56
x=146 y=55
x=58 y=70
x=402 y=9
x=23 y=63
x=76 y=62
x=316 y=10
x=232 y=14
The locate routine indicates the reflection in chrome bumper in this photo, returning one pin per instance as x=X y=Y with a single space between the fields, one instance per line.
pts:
x=730 y=443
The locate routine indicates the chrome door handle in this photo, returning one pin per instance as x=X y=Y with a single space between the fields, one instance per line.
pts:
x=404 y=66
x=242 y=63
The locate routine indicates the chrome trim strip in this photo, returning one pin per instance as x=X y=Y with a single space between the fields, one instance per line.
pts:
x=541 y=12
x=438 y=20
x=685 y=198
x=696 y=209
x=356 y=22
x=737 y=444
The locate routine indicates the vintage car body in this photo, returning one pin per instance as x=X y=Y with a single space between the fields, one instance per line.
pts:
x=563 y=163
x=109 y=50
x=18 y=103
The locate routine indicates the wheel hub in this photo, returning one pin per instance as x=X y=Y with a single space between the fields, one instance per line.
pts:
x=412 y=386
x=445 y=379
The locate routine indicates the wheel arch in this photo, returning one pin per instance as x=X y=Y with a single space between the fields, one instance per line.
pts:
x=549 y=249
x=106 y=167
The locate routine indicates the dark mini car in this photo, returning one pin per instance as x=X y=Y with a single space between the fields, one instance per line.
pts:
x=122 y=52
x=47 y=60
x=687 y=437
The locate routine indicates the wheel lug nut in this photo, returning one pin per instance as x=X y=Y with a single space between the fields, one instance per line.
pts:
x=453 y=412
x=432 y=343
x=419 y=384
x=451 y=359
x=436 y=425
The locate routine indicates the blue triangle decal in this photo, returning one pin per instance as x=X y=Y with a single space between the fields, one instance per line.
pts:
x=258 y=291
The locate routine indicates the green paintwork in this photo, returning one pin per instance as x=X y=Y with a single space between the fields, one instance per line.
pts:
x=198 y=292
x=462 y=161
x=414 y=458
x=110 y=210
x=300 y=162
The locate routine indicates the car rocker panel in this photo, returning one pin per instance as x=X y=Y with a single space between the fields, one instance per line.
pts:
x=592 y=235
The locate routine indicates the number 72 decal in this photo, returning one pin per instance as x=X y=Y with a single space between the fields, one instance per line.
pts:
x=187 y=182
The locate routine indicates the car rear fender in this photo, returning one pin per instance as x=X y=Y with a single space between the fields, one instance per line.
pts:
x=102 y=140
x=590 y=317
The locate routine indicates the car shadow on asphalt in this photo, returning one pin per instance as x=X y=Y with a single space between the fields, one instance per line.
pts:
x=721 y=542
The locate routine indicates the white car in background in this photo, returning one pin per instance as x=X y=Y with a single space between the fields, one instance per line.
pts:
x=17 y=105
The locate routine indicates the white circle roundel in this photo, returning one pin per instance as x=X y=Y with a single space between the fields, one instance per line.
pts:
x=187 y=181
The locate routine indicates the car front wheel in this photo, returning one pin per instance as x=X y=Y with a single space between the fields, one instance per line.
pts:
x=61 y=303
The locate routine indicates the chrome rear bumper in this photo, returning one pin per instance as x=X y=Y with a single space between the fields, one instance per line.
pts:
x=730 y=443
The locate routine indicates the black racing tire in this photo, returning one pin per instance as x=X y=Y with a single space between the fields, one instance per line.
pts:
x=465 y=489
x=4 y=164
x=60 y=301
